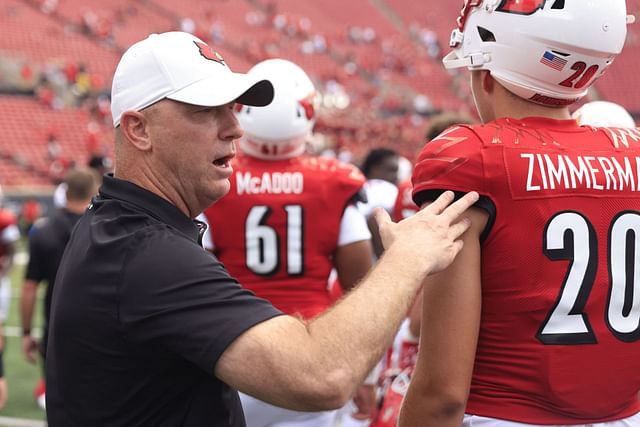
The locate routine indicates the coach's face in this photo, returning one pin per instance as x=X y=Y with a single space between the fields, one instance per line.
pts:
x=193 y=147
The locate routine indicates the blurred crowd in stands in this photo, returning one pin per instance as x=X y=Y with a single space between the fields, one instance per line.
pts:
x=364 y=101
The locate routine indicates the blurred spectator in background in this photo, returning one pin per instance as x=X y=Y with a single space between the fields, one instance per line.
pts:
x=46 y=95
x=443 y=121
x=53 y=147
x=188 y=25
x=381 y=164
x=101 y=164
x=30 y=212
x=92 y=141
x=380 y=167
x=47 y=241
x=9 y=235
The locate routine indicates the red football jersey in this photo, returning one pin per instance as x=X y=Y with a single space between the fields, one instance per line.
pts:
x=560 y=322
x=404 y=206
x=277 y=229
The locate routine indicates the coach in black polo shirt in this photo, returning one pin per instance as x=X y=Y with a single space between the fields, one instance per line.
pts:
x=148 y=328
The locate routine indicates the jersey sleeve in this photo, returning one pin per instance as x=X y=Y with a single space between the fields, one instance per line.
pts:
x=451 y=161
x=349 y=181
x=353 y=227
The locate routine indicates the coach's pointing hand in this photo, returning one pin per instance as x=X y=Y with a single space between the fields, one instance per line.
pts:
x=428 y=240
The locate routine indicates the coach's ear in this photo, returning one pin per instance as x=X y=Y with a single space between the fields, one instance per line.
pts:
x=133 y=126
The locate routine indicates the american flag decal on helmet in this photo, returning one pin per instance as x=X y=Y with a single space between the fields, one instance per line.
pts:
x=553 y=61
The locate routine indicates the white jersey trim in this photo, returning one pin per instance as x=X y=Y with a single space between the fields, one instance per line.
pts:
x=477 y=421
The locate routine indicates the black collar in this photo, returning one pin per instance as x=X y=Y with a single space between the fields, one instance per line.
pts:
x=152 y=204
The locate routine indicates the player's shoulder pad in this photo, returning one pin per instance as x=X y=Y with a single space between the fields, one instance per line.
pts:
x=452 y=160
x=335 y=169
x=343 y=180
x=454 y=138
x=453 y=146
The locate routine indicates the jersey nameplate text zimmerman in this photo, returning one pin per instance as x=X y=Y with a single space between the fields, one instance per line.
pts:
x=553 y=172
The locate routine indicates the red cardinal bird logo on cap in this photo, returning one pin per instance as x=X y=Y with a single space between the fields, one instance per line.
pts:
x=208 y=53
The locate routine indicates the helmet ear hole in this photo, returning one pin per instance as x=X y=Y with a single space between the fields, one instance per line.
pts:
x=559 y=4
x=486 y=35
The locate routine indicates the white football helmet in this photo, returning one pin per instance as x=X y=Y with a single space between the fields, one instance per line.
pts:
x=603 y=113
x=281 y=129
x=546 y=51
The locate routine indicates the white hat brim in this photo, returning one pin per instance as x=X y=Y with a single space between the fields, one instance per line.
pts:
x=221 y=90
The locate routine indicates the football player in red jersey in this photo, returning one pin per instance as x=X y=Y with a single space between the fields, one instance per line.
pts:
x=537 y=321
x=289 y=218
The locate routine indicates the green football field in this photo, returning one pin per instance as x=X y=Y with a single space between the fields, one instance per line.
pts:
x=21 y=375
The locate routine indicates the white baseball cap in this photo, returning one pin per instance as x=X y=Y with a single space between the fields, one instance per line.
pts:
x=181 y=67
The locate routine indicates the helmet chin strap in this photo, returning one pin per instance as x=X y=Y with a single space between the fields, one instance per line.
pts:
x=475 y=60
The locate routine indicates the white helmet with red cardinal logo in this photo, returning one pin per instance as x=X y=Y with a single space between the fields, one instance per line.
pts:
x=281 y=129
x=547 y=51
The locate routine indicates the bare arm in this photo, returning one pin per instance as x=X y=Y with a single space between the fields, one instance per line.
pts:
x=440 y=383
x=352 y=262
x=27 y=304
x=376 y=241
x=415 y=315
x=318 y=365
x=6 y=261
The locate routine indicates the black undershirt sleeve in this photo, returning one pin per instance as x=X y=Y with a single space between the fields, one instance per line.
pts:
x=483 y=202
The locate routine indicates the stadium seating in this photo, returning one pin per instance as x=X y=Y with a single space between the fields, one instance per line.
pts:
x=26 y=125
x=28 y=35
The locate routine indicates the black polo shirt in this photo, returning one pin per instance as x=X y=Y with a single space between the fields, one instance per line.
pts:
x=47 y=240
x=140 y=315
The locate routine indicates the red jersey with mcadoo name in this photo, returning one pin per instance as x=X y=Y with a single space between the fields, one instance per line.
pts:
x=277 y=229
